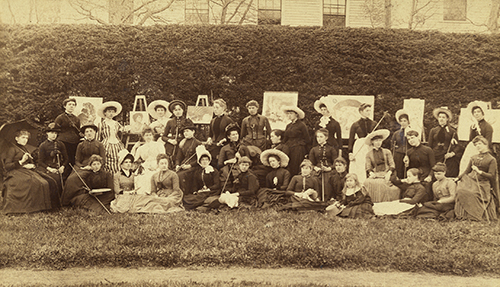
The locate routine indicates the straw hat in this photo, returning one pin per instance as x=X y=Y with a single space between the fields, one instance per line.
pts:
x=299 y=112
x=123 y=155
x=177 y=102
x=264 y=157
x=103 y=106
x=383 y=133
x=152 y=108
x=440 y=110
x=84 y=127
x=400 y=113
x=201 y=150
x=318 y=103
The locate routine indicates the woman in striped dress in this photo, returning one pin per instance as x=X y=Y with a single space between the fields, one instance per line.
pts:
x=108 y=134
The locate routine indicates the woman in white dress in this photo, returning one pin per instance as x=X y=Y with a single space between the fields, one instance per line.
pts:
x=158 y=111
x=145 y=156
x=108 y=134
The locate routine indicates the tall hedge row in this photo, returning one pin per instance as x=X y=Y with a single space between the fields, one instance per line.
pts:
x=41 y=65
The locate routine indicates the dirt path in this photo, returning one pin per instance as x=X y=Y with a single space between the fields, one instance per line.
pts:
x=279 y=276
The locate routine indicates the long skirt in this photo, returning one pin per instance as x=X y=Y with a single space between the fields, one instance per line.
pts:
x=55 y=186
x=112 y=150
x=473 y=200
x=26 y=191
x=142 y=181
x=400 y=166
x=435 y=210
x=137 y=203
x=270 y=198
x=297 y=154
x=301 y=204
x=380 y=190
x=97 y=203
x=363 y=210
x=73 y=186
x=193 y=201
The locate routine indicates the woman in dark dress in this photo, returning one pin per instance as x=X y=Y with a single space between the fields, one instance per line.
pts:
x=477 y=189
x=69 y=124
x=277 y=180
x=96 y=178
x=330 y=124
x=24 y=190
x=217 y=133
x=400 y=143
x=296 y=138
x=276 y=137
x=172 y=134
x=205 y=183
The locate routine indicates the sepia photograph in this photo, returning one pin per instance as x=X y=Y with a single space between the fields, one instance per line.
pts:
x=249 y=143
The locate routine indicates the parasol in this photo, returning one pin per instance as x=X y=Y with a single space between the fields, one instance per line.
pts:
x=8 y=132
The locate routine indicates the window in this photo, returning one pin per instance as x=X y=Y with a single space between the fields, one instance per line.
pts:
x=269 y=12
x=334 y=13
x=455 y=10
x=197 y=11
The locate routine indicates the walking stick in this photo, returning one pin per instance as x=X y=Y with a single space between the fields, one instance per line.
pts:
x=376 y=126
x=60 y=176
x=483 y=204
x=89 y=189
x=322 y=184
x=449 y=147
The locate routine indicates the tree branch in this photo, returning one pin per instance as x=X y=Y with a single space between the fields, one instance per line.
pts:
x=86 y=12
x=245 y=13
x=152 y=12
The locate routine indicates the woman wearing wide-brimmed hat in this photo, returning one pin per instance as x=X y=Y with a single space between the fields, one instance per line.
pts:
x=172 y=135
x=158 y=110
x=443 y=140
x=399 y=142
x=379 y=168
x=296 y=138
x=277 y=179
x=108 y=134
x=329 y=123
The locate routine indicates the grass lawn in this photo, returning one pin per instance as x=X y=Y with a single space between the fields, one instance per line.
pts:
x=259 y=239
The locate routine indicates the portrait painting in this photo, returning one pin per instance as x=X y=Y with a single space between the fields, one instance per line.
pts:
x=271 y=108
x=138 y=121
x=344 y=109
x=86 y=109
x=200 y=114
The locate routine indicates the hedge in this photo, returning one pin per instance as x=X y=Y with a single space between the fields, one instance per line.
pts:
x=42 y=65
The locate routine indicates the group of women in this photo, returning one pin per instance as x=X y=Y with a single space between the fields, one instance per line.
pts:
x=253 y=166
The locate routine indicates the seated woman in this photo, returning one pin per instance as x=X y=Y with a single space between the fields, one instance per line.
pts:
x=90 y=146
x=165 y=184
x=96 y=178
x=337 y=181
x=277 y=179
x=303 y=190
x=244 y=188
x=276 y=137
x=379 y=167
x=444 y=195
x=185 y=159
x=52 y=159
x=205 y=184
x=322 y=157
x=145 y=156
x=413 y=193
x=229 y=155
x=25 y=190
x=356 y=201
x=477 y=189
x=172 y=134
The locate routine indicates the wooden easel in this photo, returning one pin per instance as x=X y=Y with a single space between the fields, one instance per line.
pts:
x=140 y=105
x=202 y=101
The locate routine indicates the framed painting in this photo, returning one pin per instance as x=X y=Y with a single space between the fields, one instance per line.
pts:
x=200 y=114
x=138 y=121
x=344 y=109
x=271 y=108
x=86 y=109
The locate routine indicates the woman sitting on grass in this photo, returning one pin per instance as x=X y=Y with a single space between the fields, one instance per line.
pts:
x=277 y=179
x=477 y=189
x=337 y=181
x=444 y=195
x=145 y=155
x=356 y=201
x=244 y=189
x=165 y=183
x=96 y=178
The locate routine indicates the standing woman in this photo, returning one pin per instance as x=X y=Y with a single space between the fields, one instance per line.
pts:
x=276 y=138
x=217 y=133
x=477 y=189
x=255 y=127
x=443 y=140
x=108 y=134
x=158 y=111
x=69 y=124
x=329 y=123
x=296 y=138
x=399 y=142
x=172 y=135
x=25 y=191
x=480 y=126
